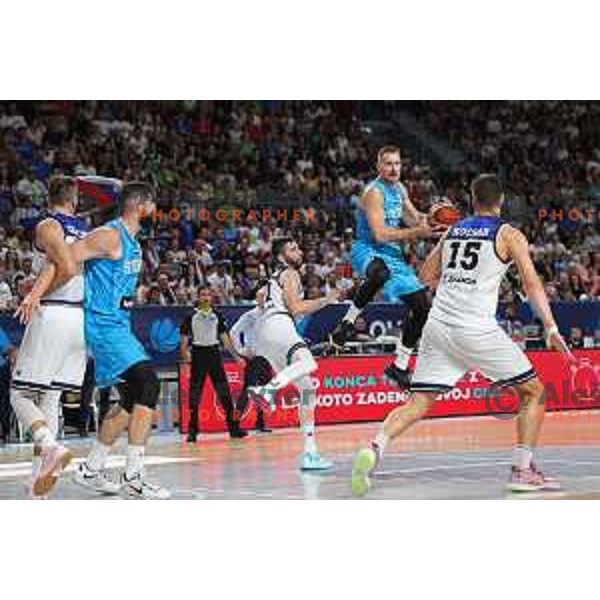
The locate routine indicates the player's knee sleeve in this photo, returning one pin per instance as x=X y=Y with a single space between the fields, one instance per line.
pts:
x=416 y=317
x=376 y=277
x=24 y=405
x=49 y=404
x=142 y=387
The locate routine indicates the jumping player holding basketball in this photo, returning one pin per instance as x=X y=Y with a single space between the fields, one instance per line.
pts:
x=462 y=332
x=385 y=210
x=278 y=341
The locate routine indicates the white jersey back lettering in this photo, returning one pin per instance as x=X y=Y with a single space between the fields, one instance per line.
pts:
x=467 y=295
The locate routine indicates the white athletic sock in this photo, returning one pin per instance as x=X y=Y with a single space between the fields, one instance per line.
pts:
x=36 y=465
x=352 y=314
x=43 y=437
x=96 y=459
x=135 y=461
x=307 y=420
x=307 y=413
x=403 y=355
x=381 y=441
x=522 y=456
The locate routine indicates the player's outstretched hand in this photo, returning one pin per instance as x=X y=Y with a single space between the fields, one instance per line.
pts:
x=556 y=341
x=27 y=308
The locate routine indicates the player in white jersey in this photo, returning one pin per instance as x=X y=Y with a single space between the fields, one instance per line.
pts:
x=52 y=355
x=258 y=370
x=462 y=332
x=279 y=342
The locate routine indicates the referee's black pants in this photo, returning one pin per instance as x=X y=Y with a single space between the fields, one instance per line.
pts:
x=207 y=360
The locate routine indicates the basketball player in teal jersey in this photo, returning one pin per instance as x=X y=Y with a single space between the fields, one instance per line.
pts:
x=113 y=260
x=386 y=218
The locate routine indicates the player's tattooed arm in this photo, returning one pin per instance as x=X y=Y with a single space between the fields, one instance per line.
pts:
x=372 y=203
x=103 y=242
x=513 y=244
x=431 y=269
x=295 y=304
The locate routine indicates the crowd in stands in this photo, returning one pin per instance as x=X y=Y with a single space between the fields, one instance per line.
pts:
x=549 y=153
x=291 y=155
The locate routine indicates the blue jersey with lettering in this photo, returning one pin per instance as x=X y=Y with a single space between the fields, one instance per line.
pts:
x=402 y=280
x=108 y=331
x=394 y=195
x=108 y=281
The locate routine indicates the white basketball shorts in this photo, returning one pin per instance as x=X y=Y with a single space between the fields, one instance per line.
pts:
x=277 y=339
x=447 y=353
x=52 y=353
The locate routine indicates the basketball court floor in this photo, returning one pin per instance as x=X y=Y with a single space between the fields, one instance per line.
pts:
x=458 y=458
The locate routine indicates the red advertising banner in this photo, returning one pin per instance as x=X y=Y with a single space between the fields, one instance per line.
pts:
x=353 y=389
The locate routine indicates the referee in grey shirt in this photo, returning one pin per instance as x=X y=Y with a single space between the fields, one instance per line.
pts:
x=207 y=329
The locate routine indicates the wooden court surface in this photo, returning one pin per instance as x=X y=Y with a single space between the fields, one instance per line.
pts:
x=458 y=458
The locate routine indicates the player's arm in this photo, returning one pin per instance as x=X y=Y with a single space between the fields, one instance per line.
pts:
x=31 y=302
x=50 y=238
x=61 y=267
x=184 y=342
x=103 y=242
x=295 y=304
x=517 y=247
x=372 y=203
x=415 y=217
x=431 y=269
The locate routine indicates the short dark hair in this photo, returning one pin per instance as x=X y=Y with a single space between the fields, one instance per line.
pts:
x=278 y=245
x=387 y=150
x=61 y=189
x=487 y=190
x=134 y=191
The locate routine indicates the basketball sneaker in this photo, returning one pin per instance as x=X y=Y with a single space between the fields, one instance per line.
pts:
x=313 y=461
x=32 y=495
x=54 y=460
x=364 y=464
x=98 y=481
x=341 y=334
x=137 y=488
x=531 y=480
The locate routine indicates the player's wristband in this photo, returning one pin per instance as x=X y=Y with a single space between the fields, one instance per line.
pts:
x=551 y=330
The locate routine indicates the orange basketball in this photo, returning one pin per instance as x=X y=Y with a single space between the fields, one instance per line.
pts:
x=445 y=214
